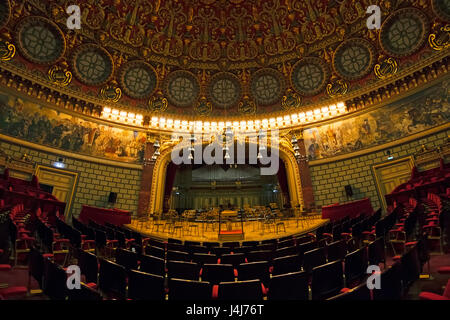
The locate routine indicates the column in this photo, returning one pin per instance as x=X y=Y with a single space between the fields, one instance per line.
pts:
x=146 y=180
x=305 y=175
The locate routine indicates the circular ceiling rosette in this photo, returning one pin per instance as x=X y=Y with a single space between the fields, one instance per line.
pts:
x=354 y=59
x=404 y=32
x=442 y=9
x=92 y=64
x=40 y=40
x=181 y=88
x=138 y=79
x=5 y=12
x=309 y=76
x=267 y=86
x=224 y=90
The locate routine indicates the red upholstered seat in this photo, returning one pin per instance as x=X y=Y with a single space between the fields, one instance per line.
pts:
x=13 y=292
x=5 y=267
x=444 y=270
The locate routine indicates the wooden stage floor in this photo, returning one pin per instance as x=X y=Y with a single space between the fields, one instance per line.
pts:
x=207 y=232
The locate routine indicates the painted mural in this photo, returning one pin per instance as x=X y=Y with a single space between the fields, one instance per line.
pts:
x=29 y=121
x=413 y=114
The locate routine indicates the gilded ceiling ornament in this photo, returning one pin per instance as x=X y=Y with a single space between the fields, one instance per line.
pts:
x=404 y=32
x=267 y=86
x=309 y=76
x=60 y=75
x=92 y=14
x=5 y=12
x=92 y=64
x=206 y=25
x=169 y=24
x=247 y=106
x=158 y=103
x=111 y=92
x=224 y=90
x=181 y=88
x=291 y=100
x=40 y=40
x=354 y=58
x=386 y=68
x=440 y=39
x=7 y=49
x=138 y=79
x=441 y=9
x=203 y=107
x=337 y=87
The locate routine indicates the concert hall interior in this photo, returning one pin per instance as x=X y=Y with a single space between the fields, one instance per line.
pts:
x=224 y=150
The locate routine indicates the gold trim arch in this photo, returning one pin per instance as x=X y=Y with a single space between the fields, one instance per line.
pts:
x=160 y=169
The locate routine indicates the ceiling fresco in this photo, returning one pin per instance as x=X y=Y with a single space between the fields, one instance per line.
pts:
x=220 y=58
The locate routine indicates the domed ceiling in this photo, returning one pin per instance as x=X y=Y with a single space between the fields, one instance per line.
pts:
x=220 y=58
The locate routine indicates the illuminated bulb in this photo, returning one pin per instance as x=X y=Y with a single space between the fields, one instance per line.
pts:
x=227 y=155
x=259 y=155
x=156 y=144
x=265 y=123
x=157 y=152
x=262 y=147
x=170 y=123
x=190 y=157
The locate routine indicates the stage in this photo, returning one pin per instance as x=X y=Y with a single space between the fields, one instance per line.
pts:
x=209 y=232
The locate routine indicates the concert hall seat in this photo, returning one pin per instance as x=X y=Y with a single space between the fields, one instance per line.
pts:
x=391 y=285
x=361 y=292
x=313 y=258
x=307 y=246
x=356 y=263
x=289 y=242
x=175 y=247
x=270 y=246
x=254 y=270
x=177 y=256
x=240 y=290
x=204 y=258
x=289 y=286
x=377 y=252
x=36 y=266
x=54 y=281
x=424 y=295
x=171 y=240
x=88 y=264
x=286 y=264
x=233 y=259
x=145 y=286
x=127 y=258
x=155 y=252
x=244 y=250
x=231 y=245
x=260 y=255
x=183 y=270
x=188 y=243
x=196 y=249
x=327 y=280
x=188 y=290
x=215 y=273
x=250 y=243
x=219 y=251
x=112 y=279
x=153 y=265
x=285 y=251
x=336 y=250
x=410 y=266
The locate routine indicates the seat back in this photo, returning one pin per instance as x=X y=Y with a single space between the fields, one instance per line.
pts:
x=313 y=258
x=126 y=258
x=376 y=251
x=145 y=286
x=327 y=280
x=234 y=259
x=240 y=290
x=204 y=258
x=410 y=266
x=360 y=292
x=36 y=265
x=177 y=256
x=155 y=252
x=88 y=266
x=112 y=279
x=254 y=270
x=55 y=278
x=260 y=255
x=215 y=273
x=153 y=265
x=286 y=264
x=356 y=263
x=336 y=250
x=286 y=251
x=391 y=284
x=289 y=286
x=188 y=290
x=307 y=246
x=85 y=293
x=183 y=270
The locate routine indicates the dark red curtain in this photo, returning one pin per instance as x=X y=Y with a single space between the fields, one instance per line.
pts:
x=170 y=179
x=282 y=180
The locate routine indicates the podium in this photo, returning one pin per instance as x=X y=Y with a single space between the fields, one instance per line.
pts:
x=230 y=233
